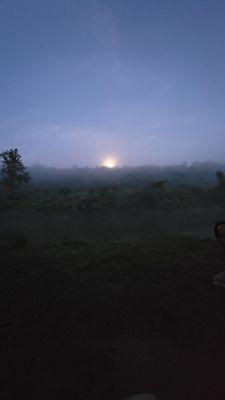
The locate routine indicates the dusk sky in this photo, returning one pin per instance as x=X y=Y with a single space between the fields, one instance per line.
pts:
x=139 y=80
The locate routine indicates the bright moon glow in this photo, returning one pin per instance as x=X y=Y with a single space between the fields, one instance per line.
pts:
x=109 y=163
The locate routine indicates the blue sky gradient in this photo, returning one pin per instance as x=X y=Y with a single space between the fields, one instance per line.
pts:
x=141 y=80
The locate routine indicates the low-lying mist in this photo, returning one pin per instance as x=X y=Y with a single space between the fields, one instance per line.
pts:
x=202 y=174
x=76 y=204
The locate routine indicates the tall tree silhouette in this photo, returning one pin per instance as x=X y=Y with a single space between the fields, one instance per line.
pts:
x=13 y=171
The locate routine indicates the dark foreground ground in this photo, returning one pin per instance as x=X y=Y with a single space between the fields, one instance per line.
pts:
x=105 y=321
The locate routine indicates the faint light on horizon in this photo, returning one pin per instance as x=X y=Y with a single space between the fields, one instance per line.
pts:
x=110 y=162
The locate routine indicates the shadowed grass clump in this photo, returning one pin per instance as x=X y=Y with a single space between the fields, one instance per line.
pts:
x=12 y=238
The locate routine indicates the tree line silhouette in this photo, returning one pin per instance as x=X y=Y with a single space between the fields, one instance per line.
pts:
x=87 y=190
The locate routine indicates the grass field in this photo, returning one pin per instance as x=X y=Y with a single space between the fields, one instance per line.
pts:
x=42 y=228
x=104 y=320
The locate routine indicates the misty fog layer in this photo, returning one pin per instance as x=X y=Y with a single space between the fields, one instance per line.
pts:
x=202 y=174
